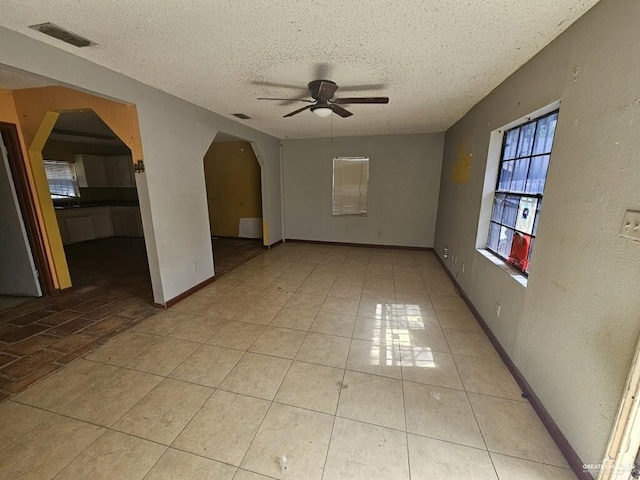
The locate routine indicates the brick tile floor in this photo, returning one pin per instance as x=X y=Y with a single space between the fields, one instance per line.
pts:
x=111 y=293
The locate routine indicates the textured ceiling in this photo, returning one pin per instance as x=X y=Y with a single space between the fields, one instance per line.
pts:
x=435 y=58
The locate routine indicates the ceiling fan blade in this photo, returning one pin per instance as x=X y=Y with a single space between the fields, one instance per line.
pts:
x=352 y=100
x=297 y=111
x=363 y=88
x=287 y=99
x=340 y=111
x=277 y=85
x=327 y=90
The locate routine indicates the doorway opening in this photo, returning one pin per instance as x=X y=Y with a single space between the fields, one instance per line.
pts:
x=79 y=195
x=92 y=185
x=20 y=262
x=233 y=179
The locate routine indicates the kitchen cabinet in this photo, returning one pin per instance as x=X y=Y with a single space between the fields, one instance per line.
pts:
x=99 y=171
x=82 y=224
x=120 y=171
x=64 y=234
x=91 y=171
x=102 y=225
x=119 y=225
x=80 y=229
x=127 y=221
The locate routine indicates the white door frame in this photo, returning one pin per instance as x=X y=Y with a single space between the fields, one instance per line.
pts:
x=625 y=438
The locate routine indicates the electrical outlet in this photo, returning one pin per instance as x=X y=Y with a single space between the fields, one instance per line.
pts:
x=497 y=309
x=195 y=266
x=631 y=225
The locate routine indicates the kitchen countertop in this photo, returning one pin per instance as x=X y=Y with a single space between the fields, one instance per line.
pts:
x=97 y=204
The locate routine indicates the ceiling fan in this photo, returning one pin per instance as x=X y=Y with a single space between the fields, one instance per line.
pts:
x=323 y=103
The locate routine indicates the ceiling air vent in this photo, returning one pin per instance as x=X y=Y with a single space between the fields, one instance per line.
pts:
x=62 y=34
x=241 y=115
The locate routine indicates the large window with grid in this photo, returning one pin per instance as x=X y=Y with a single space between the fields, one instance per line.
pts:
x=350 y=185
x=63 y=182
x=524 y=160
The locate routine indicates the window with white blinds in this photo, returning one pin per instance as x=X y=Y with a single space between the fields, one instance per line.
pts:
x=62 y=179
x=350 y=182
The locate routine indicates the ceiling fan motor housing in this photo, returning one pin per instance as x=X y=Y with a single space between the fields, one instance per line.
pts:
x=322 y=89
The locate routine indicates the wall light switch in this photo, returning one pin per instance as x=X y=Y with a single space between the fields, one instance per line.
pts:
x=631 y=225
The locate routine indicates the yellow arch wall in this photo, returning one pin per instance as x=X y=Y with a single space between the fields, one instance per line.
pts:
x=35 y=112
x=9 y=114
x=232 y=176
x=33 y=103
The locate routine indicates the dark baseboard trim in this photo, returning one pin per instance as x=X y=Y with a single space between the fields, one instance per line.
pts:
x=563 y=444
x=368 y=245
x=170 y=303
x=224 y=237
x=272 y=245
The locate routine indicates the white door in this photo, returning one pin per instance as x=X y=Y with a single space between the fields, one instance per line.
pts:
x=18 y=274
x=623 y=450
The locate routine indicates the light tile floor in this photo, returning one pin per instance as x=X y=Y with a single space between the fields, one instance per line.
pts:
x=354 y=363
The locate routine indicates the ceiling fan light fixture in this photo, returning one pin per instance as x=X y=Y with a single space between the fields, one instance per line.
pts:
x=322 y=111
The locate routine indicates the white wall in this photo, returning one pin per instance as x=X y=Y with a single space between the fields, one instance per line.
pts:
x=572 y=331
x=175 y=136
x=404 y=176
x=17 y=269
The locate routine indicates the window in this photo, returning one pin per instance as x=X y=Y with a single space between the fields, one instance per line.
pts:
x=62 y=179
x=526 y=151
x=350 y=181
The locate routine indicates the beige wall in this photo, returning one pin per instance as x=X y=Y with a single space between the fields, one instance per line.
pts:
x=232 y=175
x=573 y=329
x=402 y=196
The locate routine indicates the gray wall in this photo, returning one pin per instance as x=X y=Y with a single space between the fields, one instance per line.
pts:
x=573 y=329
x=404 y=176
x=17 y=270
x=175 y=136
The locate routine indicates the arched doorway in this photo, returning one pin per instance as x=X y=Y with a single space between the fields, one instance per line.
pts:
x=233 y=179
x=91 y=181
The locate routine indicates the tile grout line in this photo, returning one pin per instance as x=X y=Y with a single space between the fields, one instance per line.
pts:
x=272 y=401
x=484 y=441
x=404 y=399
x=335 y=415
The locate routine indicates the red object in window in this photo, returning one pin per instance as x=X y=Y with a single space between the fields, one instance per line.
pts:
x=519 y=256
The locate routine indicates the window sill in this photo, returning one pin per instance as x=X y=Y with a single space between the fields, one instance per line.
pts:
x=512 y=272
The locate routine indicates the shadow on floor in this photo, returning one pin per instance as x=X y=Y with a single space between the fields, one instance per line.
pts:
x=229 y=253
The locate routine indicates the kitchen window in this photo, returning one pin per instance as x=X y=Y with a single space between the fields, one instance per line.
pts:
x=350 y=184
x=63 y=182
x=522 y=174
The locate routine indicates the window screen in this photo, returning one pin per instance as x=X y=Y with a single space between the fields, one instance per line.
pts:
x=526 y=151
x=62 y=179
x=350 y=182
